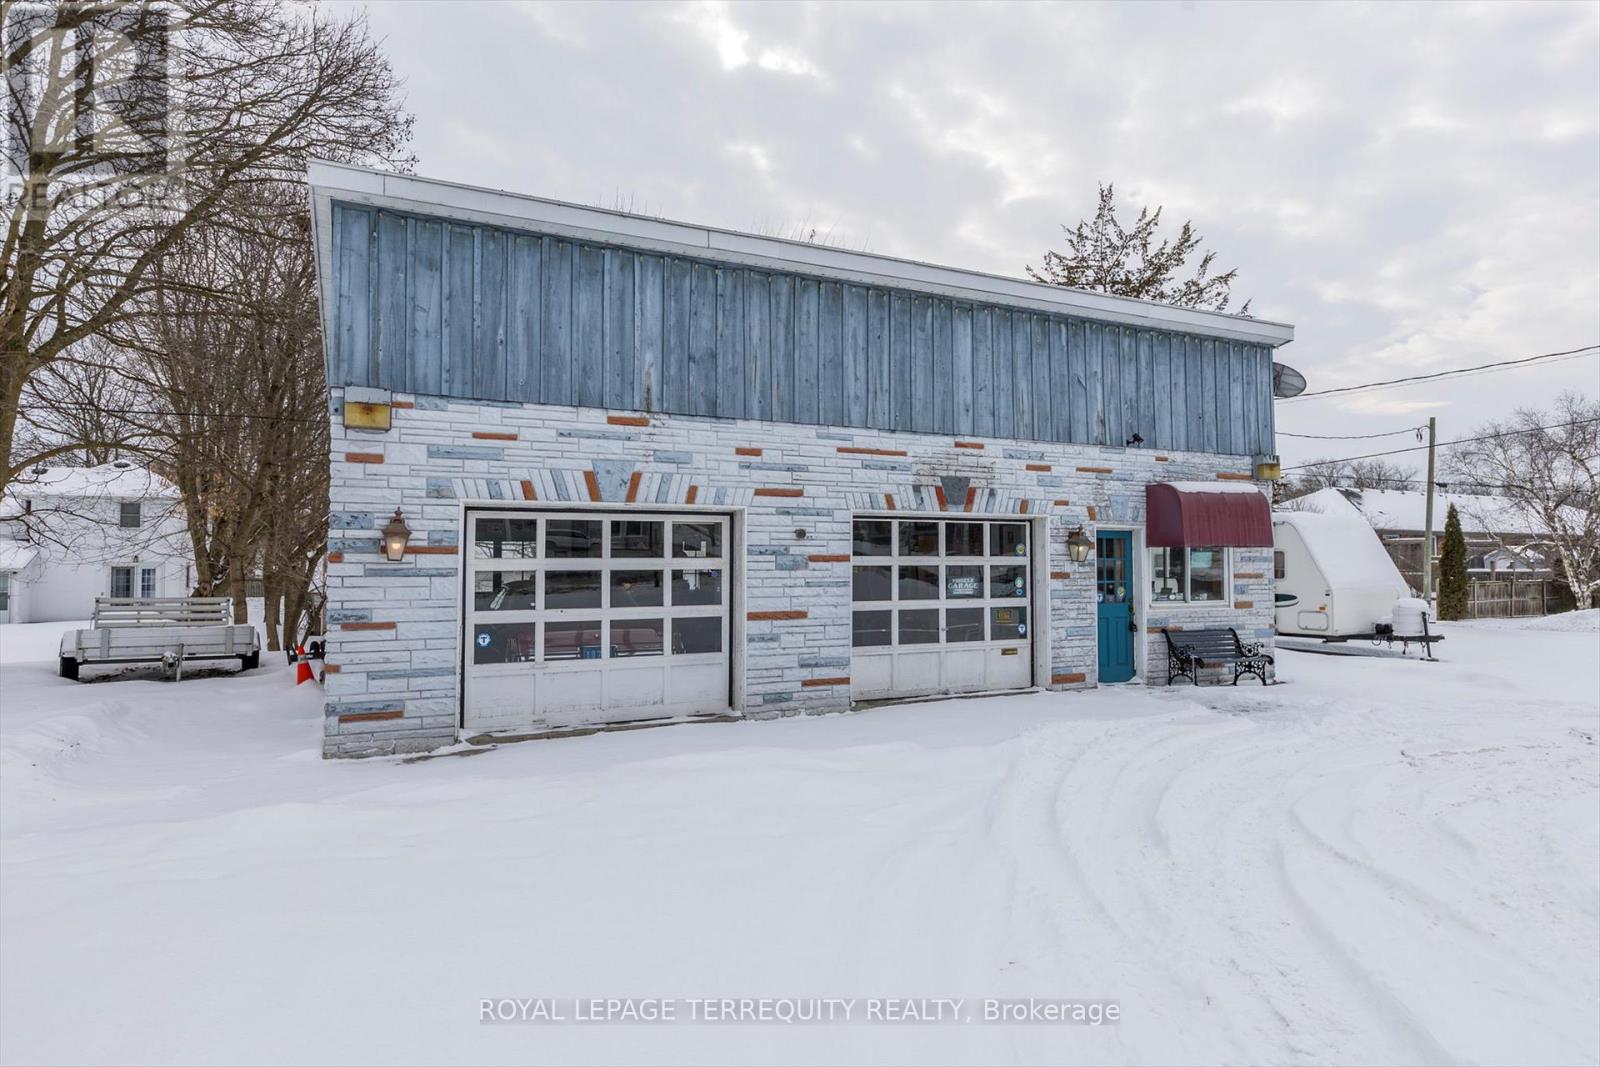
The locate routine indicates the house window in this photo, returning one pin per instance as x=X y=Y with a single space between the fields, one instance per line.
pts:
x=130 y=515
x=1189 y=575
x=1277 y=566
x=122 y=581
x=147 y=581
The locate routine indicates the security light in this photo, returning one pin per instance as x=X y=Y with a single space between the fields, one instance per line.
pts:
x=1078 y=545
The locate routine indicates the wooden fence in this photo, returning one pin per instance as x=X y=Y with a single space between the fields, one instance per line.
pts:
x=1514 y=598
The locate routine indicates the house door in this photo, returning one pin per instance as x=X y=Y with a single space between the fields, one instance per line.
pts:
x=1114 y=592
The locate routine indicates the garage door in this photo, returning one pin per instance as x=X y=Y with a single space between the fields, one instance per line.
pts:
x=940 y=606
x=584 y=618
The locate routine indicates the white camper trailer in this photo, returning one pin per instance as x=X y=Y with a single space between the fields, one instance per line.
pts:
x=1334 y=578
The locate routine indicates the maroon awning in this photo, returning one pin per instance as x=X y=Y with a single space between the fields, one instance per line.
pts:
x=1206 y=515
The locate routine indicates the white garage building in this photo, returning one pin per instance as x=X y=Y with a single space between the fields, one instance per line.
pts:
x=651 y=472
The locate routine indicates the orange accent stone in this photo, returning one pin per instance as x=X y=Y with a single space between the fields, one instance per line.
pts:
x=773 y=616
x=1243 y=605
x=627 y=420
x=689 y=497
x=747 y=451
x=527 y=490
x=485 y=435
x=780 y=491
x=818 y=683
x=851 y=451
x=1093 y=513
x=432 y=550
x=1039 y=467
x=373 y=716
x=825 y=558
x=969 y=444
x=1235 y=476
x=363 y=457
x=1060 y=575
x=335 y=557
x=401 y=404
x=1094 y=470
x=1162 y=459
x=1068 y=679
x=633 y=488
x=593 y=483
x=330 y=668
x=366 y=626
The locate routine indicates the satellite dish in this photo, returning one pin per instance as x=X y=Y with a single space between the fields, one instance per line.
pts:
x=1286 y=381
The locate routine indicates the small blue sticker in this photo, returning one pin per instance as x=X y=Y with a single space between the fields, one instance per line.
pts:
x=1022 y=629
x=485 y=639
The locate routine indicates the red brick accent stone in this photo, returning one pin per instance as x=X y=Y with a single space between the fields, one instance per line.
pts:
x=527 y=490
x=1235 y=476
x=627 y=420
x=851 y=451
x=1068 y=679
x=373 y=716
x=432 y=550
x=770 y=490
x=773 y=616
x=485 y=435
x=363 y=457
x=969 y=444
x=1039 y=467
x=1094 y=470
x=747 y=451
x=366 y=626
x=818 y=683
x=822 y=557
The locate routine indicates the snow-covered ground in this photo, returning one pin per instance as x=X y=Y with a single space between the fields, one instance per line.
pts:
x=1379 y=861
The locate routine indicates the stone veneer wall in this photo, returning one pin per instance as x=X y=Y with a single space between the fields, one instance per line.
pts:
x=393 y=627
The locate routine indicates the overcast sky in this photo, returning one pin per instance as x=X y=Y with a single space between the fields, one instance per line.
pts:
x=1414 y=187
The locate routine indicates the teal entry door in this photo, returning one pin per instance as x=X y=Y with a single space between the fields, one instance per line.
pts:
x=1114 y=591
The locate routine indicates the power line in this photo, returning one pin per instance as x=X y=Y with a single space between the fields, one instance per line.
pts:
x=1504 y=364
x=1349 y=437
x=1445 y=444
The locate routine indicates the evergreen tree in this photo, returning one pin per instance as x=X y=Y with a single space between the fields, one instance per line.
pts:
x=1107 y=256
x=1453 y=569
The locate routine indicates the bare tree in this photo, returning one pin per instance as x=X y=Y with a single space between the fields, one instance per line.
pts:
x=1105 y=256
x=133 y=123
x=231 y=340
x=1349 y=474
x=1545 y=466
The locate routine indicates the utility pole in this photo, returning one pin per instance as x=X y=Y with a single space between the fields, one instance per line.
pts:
x=1427 y=522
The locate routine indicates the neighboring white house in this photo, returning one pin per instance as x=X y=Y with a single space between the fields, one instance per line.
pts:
x=70 y=534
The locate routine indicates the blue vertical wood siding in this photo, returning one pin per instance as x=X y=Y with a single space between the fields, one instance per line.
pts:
x=446 y=308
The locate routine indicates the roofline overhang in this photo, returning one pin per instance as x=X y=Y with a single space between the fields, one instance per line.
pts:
x=331 y=182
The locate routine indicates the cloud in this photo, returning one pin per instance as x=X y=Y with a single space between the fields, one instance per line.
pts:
x=1413 y=186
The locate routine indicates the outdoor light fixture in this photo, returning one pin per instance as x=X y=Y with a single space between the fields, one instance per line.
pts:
x=1078 y=544
x=395 y=536
x=1135 y=441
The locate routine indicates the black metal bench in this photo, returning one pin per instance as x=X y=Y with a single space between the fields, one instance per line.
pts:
x=1188 y=651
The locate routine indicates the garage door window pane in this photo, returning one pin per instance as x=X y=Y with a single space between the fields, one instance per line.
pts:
x=920 y=627
x=870 y=629
x=1008 y=581
x=963 y=624
x=505 y=590
x=690 y=636
x=502 y=642
x=963 y=539
x=697 y=540
x=572 y=589
x=1008 y=624
x=872 y=583
x=572 y=640
x=919 y=583
x=873 y=537
x=919 y=539
x=637 y=637
x=1008 y=539
x=636 y=540
x=572 y=538
x=636 y=589
x=963 y=582
x=696 y=587
x=506 y=539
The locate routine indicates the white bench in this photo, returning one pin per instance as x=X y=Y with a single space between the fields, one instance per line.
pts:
x=170 y=631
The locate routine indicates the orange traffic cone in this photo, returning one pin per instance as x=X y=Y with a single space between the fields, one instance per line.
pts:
x=302 y=666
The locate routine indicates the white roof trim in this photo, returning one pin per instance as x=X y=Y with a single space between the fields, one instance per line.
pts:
x=361 y=185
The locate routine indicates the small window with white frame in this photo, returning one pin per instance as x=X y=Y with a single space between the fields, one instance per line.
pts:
x=1189 y=575
x=132 y=515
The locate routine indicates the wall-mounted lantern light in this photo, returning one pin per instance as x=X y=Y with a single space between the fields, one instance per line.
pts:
x=1268 y=469
x=1078 y=545
x=395 y=536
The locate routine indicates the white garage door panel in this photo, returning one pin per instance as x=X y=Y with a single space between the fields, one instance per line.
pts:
x=588 y=618
x=940 y=606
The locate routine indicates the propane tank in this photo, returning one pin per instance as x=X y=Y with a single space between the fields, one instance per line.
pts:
x=1407 y=616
